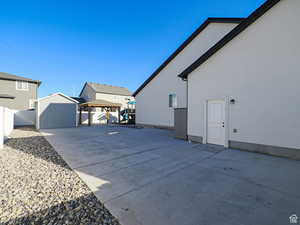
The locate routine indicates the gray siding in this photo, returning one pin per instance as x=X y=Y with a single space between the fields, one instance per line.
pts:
x=21 y=101
x=56 y=112
x=88 y=93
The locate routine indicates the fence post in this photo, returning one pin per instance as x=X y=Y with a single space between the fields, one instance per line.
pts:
x=1 y=127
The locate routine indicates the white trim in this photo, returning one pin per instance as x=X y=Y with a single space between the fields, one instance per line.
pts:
x=226 y=138
x=1 y=127
x=226 y=144
x=61 y=94
x=77 y=116
x=205 y=122
x=37 y=114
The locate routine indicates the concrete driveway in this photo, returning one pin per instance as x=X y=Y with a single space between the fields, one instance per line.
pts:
x=146 y=177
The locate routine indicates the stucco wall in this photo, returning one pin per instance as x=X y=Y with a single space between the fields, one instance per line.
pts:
x=22 y=97
x=260 y=70
x=152 y=102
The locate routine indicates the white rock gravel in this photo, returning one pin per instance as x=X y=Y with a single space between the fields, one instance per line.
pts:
x=38 y=187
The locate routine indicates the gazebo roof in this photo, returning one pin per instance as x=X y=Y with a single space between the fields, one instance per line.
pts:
x=100 y=103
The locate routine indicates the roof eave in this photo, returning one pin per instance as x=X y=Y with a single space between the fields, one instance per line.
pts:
x=230 y=36
x=187 y=42
x=27 y=80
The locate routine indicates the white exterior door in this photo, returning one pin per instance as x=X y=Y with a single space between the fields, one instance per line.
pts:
x=216 y=122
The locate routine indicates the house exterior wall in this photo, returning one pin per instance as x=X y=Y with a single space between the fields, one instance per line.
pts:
x=88 y=93
x=22 y=97
x=56 y=112
x=260 y=70
x=122 y=99
x=152 y=106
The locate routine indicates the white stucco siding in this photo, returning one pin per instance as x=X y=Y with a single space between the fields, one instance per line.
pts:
x=152 y=105
x=260 y=70
x=121 y=99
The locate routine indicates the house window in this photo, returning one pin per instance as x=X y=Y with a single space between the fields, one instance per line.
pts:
x=31 y=104
x=172 y=101
x=22 y=85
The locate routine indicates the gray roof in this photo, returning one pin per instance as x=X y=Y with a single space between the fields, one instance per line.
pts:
x=7 y=96
x=109 y=89
x=78 y=99
x=7 y=76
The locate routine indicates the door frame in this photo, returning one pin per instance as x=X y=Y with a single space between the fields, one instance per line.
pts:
x=226 y=122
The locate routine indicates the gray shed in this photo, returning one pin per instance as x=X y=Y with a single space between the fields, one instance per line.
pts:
x=56 y=111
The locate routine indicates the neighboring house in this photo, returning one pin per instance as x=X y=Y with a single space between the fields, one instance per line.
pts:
x=163 y=91
x=94 y=92
x=18 y=93
x=244 y=91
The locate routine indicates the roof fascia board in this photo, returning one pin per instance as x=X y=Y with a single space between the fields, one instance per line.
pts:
x=61 y=94
x=83 y=88
x=29 y=81
x=230 y=36
x=185 y=43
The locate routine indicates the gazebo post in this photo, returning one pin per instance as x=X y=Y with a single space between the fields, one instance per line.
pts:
x=80 y=115
x=119 y=115
x=89 y=115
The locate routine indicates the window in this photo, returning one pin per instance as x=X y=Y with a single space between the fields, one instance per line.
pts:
x=172 y=100
x=31 y=104
x=22 y=85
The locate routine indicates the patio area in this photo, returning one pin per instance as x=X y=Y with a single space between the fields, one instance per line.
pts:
x=146 y=177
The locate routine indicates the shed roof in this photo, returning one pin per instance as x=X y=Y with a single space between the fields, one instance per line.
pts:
x=61 y=94
x=7 y=76
x=100 y=103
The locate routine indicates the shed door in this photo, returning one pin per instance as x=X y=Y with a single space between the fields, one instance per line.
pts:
x=57 y=115
x=216 y=122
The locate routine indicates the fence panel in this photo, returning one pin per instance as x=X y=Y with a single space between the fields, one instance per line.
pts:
x=6 y=123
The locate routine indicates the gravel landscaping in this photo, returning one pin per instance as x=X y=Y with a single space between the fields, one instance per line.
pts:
x=38 y=187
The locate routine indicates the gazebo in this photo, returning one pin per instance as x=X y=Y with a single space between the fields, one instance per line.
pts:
x=99 y=103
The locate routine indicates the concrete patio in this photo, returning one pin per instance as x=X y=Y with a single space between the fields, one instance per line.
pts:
x=146 y=177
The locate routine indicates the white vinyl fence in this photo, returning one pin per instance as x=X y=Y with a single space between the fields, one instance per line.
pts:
x=6 y=123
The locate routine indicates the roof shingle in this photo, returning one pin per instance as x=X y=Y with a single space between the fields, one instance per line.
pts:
x=109 y=89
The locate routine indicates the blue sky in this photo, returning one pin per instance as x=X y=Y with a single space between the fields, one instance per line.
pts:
x=68 y=42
